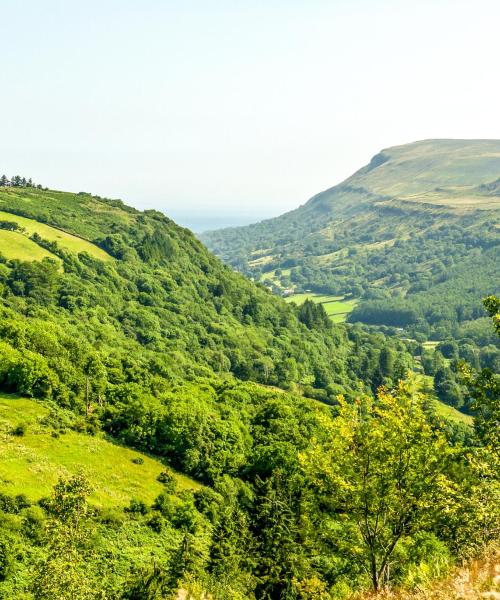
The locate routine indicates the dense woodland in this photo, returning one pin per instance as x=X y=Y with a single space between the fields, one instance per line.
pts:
x=322 y=472
x=427 y=283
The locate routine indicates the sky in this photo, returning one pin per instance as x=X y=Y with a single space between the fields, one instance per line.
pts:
x=227 y=112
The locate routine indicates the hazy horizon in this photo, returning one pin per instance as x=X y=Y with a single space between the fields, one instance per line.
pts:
x=230 y=113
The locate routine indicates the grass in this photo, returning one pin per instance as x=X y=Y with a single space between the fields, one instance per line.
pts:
x=66 y=240
x=426 y=385
x=430 y=345
x=32 y=463
x=478 y=578
x=336 y=307
x=16 y=246
x=448 y=412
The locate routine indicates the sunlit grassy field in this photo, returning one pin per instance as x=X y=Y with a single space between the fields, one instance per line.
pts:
x=335 y=306
x=425 y=385
x=32 y=463
x=448 y=412
x=65 y=240
x=16 y=246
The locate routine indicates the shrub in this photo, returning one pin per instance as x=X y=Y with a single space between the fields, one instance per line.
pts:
x=136 y=507
x=166 y=505
x=19 y=430
x=6 y=559
x=111 y=517
x=157 y=523
x=33 y=524
x=7 y=504
x=167 y=478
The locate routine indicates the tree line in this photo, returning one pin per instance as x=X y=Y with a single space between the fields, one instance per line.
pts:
x=19 y=182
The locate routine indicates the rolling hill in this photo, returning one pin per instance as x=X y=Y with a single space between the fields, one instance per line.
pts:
x=133 y=283
x=412 y=237
x=158 y=413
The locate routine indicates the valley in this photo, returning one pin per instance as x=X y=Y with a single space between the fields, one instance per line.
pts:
x=168 y=424
x=415 y=230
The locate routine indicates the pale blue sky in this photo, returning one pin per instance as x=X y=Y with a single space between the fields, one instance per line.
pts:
x=220 y=112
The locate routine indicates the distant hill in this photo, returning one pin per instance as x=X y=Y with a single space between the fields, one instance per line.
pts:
x=413 y=236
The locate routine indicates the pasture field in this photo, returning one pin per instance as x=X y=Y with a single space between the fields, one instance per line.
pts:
x=448 y=412
x=425 y=384
x=336 y=307
x=32 y=463
x=66 y=240
x=16 y=246
x=430 y=345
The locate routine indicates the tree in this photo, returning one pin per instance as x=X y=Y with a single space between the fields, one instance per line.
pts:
x=277 y=524
x=95 y=381
x=381 y=468
x=449 y=349
x=62 y=573
x=148 y=584
x=386 y=362
x=485 y=390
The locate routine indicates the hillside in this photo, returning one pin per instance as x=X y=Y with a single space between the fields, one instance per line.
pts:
x=32 y=463
x=412 y=237
x=148 y=297
x=167 y=424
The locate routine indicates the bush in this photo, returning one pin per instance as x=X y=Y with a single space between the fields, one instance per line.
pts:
x=111 y=517
x=166 y=505
x=168 y=480
x=157 y=523
x=11 y=505
x=19 y=430
x=136 y=507
x=33 y=524
x=22 y=501
x=6 y=559
x=138 y=460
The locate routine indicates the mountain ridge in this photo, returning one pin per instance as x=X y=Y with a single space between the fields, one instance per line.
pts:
x=346 y=240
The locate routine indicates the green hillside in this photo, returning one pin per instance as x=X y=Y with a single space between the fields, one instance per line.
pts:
x=170 y=428
x=64 y=240
x=32 y=463
x=140 y=289
x=413 y=237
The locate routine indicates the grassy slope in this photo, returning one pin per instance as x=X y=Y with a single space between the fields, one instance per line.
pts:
x=65 y=240
x=448 y=412
x=335 y=306
x=432 y=176
x=16 y=246
x=426 y=386
x=448 y=170
x=31 y=464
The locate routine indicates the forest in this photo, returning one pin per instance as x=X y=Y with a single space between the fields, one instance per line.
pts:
x=322 y=468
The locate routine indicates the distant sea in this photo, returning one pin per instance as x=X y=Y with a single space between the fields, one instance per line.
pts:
x=201 y=223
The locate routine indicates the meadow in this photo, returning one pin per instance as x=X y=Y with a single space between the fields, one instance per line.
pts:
x=23 y=249
x=16 y=246
x=336 y=307
x=31 y=463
